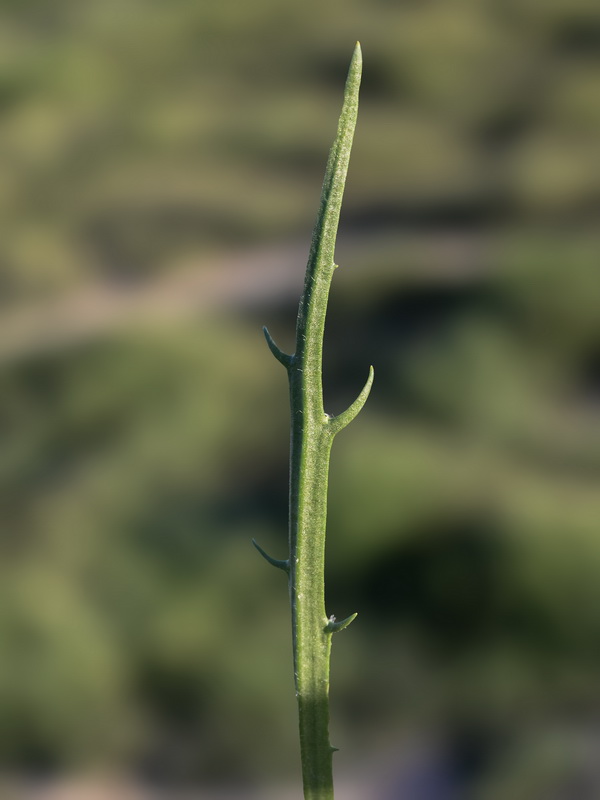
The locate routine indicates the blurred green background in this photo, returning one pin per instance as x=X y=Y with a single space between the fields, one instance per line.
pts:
x=160 y=173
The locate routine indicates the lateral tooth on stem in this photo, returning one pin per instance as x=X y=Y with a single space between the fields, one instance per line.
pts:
x=334 y=627
x=276 y=562
x=282 y=357
x=340 y=421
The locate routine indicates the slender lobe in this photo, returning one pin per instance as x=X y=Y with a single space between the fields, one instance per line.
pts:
x=312 y=434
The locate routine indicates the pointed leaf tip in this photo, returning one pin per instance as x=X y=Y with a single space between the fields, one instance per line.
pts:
x=356 y=61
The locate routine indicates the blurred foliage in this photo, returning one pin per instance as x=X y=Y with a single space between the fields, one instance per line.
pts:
x=138 y=628
x=132 y=131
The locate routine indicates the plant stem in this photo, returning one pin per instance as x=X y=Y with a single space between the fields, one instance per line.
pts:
x=312 y=433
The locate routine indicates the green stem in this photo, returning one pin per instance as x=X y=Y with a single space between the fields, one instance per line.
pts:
x=312 y=433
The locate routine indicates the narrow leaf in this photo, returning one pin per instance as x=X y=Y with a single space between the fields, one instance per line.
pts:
x=276 y=562
x=339 y=422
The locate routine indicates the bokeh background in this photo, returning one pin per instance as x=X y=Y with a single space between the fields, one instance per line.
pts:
x=160 y=171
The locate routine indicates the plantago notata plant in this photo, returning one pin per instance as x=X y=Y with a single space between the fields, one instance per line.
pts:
x=312 y=434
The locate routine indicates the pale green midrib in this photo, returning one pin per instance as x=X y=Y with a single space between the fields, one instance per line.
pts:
x=311 y=444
